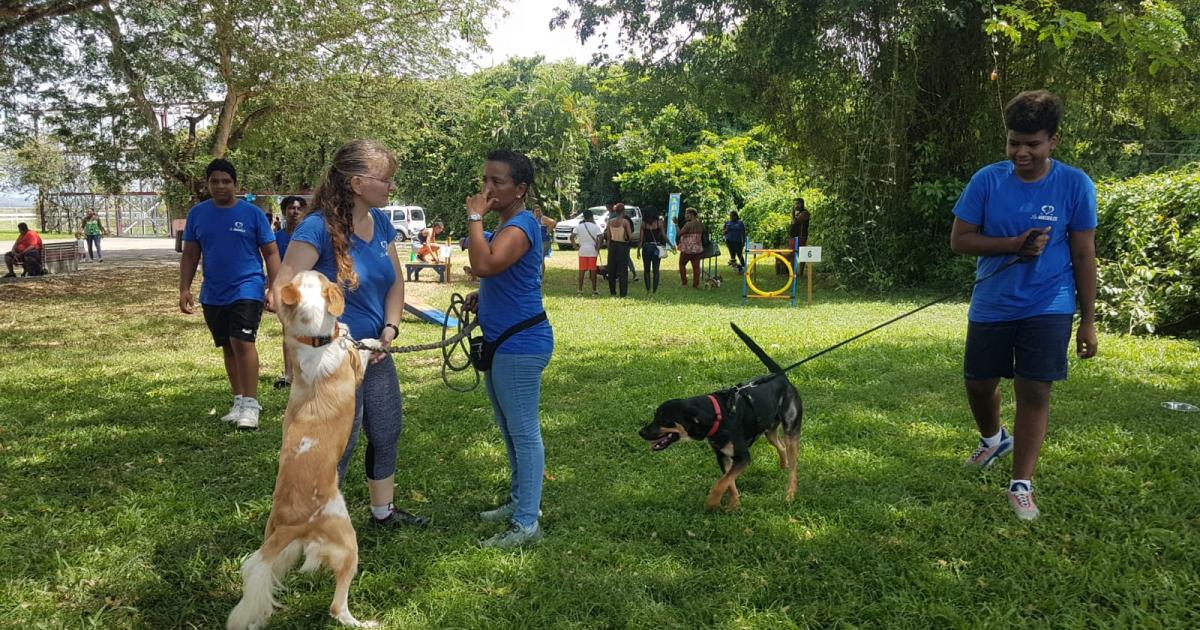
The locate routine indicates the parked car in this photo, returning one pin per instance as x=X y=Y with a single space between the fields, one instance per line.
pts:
x=564 y=234
x=408 y=220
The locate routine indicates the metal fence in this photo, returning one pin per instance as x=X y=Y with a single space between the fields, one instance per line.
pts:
x=130 y=214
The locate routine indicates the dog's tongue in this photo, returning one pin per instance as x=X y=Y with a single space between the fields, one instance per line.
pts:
x=664 y=442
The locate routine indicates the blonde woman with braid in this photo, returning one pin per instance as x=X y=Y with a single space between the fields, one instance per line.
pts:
x=346 y=238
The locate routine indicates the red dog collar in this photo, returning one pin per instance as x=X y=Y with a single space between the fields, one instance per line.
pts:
x=717 y=408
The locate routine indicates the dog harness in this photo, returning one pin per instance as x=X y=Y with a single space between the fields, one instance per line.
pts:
x=317 y=342
x=717 y=408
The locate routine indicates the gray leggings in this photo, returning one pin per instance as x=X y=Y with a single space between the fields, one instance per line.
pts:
x=378 y=409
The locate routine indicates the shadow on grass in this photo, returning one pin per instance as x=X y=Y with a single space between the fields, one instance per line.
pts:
x=114 y=469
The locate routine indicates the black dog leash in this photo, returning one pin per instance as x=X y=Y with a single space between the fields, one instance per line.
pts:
x=451 y=343
x=775 y=367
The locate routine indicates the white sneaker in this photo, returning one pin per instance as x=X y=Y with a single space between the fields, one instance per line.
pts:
x=248 y=418
x=235 y=411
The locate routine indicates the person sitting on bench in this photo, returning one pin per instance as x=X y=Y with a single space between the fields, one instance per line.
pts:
x=429 y=251
x=27 y=251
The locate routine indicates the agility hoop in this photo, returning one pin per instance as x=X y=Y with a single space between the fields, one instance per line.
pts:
x=750 y=269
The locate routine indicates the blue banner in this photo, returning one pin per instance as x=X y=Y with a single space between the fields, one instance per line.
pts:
x=672 y=216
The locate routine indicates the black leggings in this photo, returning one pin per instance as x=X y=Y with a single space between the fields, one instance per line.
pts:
x=618 y=267
x=737 y=253
x=650 y=263
x=377 y=411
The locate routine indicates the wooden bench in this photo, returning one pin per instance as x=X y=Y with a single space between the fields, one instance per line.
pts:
x=413 y=269
x=60 y=257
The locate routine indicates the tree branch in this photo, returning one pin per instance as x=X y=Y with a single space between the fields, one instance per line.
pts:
x=16 y=18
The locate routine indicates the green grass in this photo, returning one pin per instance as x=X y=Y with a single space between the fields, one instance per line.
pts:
x=126 y=503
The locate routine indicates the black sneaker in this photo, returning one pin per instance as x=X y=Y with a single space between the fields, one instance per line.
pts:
x=398 y=517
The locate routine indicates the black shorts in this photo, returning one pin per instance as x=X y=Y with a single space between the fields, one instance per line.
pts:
x=238 y=320
x=1034 y=349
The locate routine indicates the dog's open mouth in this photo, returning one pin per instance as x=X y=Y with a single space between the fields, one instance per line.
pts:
x=664 y=442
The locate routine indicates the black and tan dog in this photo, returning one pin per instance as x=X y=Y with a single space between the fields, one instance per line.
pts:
x=731 y=420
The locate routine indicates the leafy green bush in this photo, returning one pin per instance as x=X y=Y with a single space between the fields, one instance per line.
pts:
x=1148 y=243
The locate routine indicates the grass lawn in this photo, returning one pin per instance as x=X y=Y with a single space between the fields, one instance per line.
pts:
x=126 y=503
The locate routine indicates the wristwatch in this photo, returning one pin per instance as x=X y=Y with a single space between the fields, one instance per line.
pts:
x=474 y=217
x=394 y=327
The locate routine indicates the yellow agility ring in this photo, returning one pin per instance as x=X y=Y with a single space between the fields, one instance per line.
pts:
x=777 y=292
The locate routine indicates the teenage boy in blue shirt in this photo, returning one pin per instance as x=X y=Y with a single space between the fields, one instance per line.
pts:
x=1020 y=321
x=234 y=238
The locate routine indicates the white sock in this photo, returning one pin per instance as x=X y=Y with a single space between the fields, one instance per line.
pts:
x=993 y=441
x=381 y=511
x=250 y=402
x=1012 y=485
x=237 y=399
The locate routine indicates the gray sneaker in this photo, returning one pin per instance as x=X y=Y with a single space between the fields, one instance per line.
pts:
x=516 y=536
x=502 y=513
x=1020 y=497
x=496 y=515
x=235 y=411
x=247 y=419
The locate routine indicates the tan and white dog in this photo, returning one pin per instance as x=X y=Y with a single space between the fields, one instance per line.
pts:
x=308 y=512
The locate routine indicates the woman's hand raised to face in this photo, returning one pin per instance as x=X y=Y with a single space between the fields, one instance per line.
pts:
x=479 y=204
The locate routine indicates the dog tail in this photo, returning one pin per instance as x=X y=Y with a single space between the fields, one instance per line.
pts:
x=758 y=351
x=261 y=577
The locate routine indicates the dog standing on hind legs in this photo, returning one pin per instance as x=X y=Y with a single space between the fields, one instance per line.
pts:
x=308 y=513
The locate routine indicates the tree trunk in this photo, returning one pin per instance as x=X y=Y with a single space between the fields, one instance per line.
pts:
x=224 y=128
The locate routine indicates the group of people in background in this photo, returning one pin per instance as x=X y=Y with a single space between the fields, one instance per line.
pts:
x=693 y=245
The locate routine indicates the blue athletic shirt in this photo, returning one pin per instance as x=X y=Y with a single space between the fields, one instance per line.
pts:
x=516 y=295
x=229 y=239
x=365 y=306
x=735 y=231
x=1003 y=205
x=282 y=238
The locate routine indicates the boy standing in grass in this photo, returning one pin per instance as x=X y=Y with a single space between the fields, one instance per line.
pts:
x=1020 y=321
x=235 y=239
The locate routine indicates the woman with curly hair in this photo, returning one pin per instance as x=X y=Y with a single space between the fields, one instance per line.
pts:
x=346 y=238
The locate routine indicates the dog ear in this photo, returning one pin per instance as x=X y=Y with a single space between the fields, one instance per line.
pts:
x=290 y=294
x=335 y=303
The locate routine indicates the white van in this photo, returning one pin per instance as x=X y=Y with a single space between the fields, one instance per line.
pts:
x=564 y=233
x=408 y=220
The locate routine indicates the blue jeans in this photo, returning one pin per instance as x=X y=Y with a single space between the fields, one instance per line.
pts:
x=514 y=385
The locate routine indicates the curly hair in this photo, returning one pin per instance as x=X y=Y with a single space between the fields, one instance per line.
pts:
x=335 y=199
x=1034 y=111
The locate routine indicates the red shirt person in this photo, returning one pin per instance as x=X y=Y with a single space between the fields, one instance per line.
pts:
x=28 y=240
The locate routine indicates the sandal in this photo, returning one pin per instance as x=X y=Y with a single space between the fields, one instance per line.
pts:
x=282 y=382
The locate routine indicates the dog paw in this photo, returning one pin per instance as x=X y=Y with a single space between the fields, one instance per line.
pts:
x=371 y=344
x=733 y=506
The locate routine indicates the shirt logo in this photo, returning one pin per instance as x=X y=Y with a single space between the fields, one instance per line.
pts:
x=238 y=227
x=1045 y=213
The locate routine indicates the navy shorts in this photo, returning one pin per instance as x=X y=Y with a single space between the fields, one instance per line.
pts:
x=1034 y=349
x=238 y=320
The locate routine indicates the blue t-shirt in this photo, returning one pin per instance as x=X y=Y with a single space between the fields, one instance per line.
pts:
x=365 y=306
x=735 y=232
x=229 y=239
x=282 y=238
x=1003 y=205
x=516 y=295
